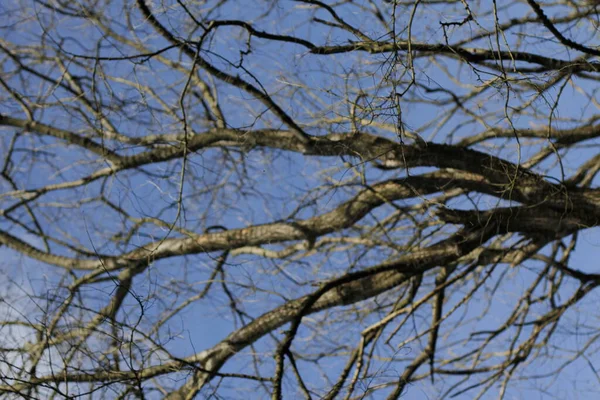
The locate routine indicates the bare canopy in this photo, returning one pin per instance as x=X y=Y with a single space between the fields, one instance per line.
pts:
x=299 y=199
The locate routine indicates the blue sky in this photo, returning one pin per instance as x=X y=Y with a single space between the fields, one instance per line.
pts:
x=260 y=186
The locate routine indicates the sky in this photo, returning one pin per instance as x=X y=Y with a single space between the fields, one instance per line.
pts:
x=273 y=184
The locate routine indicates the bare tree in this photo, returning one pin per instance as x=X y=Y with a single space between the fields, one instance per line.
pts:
x=299 y=199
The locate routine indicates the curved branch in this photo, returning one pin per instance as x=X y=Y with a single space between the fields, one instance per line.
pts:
x=230 y=79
